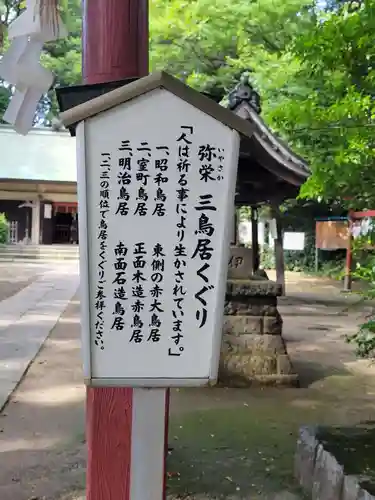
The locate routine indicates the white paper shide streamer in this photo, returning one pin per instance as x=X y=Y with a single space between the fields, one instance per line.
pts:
x=20 y=65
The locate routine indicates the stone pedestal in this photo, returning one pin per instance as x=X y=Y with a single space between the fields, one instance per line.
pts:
x=240 y=263
x=253 y=350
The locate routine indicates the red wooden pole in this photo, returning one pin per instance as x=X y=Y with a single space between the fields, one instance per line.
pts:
x=115 y=40
x=115 y=47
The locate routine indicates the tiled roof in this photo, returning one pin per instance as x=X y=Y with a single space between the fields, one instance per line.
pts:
x=245 y=102
x=275 y=146
x=43 y=155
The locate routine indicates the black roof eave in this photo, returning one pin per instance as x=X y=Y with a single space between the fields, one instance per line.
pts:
x=276 y=163
x=270 y=152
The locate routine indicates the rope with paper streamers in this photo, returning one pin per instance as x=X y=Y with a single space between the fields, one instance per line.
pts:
x=48 y=11
x=38 y=23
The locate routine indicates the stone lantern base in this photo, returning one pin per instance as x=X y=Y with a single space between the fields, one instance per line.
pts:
x=253 y=349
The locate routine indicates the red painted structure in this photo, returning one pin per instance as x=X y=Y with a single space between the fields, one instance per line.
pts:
x=115 y=40
x=351 y=218
x=65 y=207
x=115 y=47
x=363 y=214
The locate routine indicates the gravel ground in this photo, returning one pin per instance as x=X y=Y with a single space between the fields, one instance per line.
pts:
x=221 y=438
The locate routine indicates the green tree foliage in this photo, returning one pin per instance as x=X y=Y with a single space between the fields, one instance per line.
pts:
x=210 y=44
x=4 y=229
x=333 y=125
x=313 y=68
x=207 y=44
x=364 y=256
x=63 y=56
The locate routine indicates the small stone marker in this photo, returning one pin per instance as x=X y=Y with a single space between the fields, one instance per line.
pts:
x=328 y=476
x=305 y=457
x=350 y=488
x=240 y=265
x=365 y=495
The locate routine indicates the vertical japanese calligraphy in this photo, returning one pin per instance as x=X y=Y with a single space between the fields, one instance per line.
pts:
x=119 y=293
x=102 y=235
x=156 y=292
x=211 y=163
x=139 y=282
x=124 y=177
x=161 y=179
x=184 y=142
x=203 y=253
x=142 y=176
x=158 y=195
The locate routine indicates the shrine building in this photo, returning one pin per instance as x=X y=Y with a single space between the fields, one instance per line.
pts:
x=38 y=185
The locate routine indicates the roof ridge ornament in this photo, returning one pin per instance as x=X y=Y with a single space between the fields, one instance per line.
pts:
x=244 y=92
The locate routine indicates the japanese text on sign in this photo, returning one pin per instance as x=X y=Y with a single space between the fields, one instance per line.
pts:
x=138 y=287
x=159 y=202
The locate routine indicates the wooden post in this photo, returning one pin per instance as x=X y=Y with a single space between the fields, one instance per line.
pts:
x=114 y=39
x=279 y=251
x=115 y=47
x=254 y=239
x=349 y=256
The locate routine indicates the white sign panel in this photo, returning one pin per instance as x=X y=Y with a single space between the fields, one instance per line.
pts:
x=273 y=229
x=294 y=241
x=244 y=232
x=156 y=194
x=48 y=211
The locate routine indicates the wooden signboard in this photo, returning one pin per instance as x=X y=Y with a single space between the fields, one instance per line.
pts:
x=157 y=167
x=156 y=191
x=332 y=234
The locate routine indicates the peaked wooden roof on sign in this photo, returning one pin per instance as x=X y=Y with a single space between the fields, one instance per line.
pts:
x=147 y=84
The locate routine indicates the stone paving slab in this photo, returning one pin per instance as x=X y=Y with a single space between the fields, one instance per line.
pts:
x=15 y=276
x=26 y=320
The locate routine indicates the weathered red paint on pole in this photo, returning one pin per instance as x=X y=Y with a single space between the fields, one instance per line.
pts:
x=115 y=47
x=115 y=40
x=108 y=436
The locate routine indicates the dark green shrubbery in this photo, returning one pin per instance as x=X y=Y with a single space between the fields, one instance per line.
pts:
x=331 y=263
